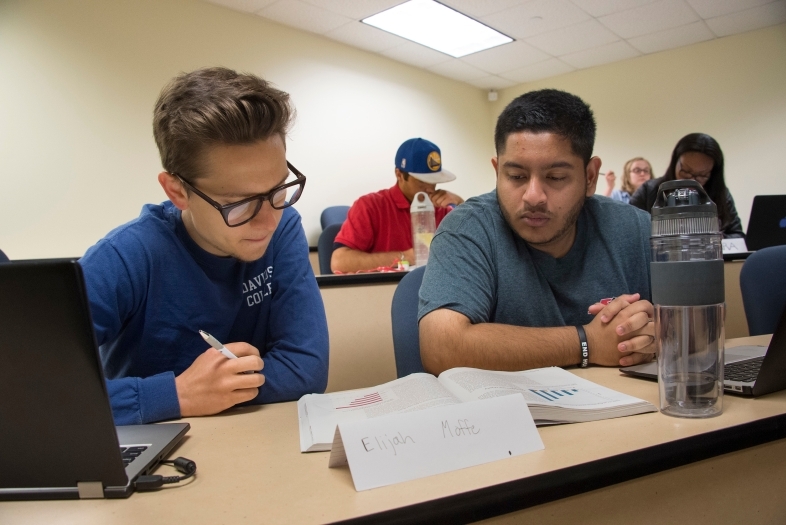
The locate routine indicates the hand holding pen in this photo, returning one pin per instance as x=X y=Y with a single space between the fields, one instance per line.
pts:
x=219 y=378
x=215 y=343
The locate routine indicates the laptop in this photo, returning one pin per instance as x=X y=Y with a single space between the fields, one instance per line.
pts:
x=57 y=436
x=767 y=223
x=747 y=370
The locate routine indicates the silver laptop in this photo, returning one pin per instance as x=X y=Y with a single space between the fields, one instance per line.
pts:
x=57 y=436
x=747 y=370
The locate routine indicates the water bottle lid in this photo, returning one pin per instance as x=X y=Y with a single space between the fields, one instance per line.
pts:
x=682 y=207
x=421 y=202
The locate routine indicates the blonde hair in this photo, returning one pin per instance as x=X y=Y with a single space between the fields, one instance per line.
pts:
x=627 y=186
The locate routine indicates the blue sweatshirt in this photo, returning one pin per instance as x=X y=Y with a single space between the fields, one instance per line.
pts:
x=151 y=288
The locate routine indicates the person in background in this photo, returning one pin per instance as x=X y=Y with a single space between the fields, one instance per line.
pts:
x=225 y=254
x=378 y=229
x=696 y=156
x=636 y=172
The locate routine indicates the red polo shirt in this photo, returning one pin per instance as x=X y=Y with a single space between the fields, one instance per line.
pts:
x=380 y=222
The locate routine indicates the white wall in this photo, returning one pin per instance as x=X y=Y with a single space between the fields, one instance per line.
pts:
x=79 y=79
x=732 y=88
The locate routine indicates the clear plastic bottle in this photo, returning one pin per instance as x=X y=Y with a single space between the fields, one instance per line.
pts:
x=423 y=226
x=689 y=298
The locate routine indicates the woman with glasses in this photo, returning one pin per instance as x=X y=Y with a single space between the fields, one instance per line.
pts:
x=636 y=172
x=696 y=156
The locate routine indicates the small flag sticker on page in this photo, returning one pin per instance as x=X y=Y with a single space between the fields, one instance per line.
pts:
x=368 y=399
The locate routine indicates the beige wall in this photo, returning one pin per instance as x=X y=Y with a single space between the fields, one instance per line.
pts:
x=732 y=88
x=79 y=79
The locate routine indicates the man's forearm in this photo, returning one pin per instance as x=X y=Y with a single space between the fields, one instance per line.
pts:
x=447 y=342
x=349 y=260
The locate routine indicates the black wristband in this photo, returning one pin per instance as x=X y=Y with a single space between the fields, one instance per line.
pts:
x=584 y=347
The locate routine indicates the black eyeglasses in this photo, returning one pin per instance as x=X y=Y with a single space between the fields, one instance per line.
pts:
x=240 y=212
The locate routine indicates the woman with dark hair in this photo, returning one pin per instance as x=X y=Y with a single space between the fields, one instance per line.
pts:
x=699 y=157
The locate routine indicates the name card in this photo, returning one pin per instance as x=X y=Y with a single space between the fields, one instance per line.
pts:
x=733 y=246
x=399 y=447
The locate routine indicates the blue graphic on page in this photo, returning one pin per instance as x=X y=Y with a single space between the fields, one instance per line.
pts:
x=554 y=395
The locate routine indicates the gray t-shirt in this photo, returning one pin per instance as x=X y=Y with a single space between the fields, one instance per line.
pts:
x=480 y=267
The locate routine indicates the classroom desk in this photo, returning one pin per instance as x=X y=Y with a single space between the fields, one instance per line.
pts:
x=645 y=469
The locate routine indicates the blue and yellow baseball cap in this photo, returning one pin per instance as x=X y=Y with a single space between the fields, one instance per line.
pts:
x=423 y=160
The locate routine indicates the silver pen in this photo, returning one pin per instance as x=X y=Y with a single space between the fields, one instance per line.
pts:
x=215 y=343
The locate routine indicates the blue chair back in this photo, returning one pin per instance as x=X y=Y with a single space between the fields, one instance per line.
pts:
x=763 y=286
x=333 y=215
x=3 y=257
x=404 y=316
x=325 y=247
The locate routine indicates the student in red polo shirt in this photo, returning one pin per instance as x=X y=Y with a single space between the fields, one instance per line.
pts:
x=378 y=229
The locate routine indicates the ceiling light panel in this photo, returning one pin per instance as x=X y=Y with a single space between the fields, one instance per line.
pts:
x=437 y=26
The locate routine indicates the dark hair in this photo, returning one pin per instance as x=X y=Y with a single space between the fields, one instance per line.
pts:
x=549 y=110
x=715 y=186
x=215 y=106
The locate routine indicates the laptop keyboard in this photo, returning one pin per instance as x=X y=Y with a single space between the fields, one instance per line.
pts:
x=130 y=453
x=743 y=371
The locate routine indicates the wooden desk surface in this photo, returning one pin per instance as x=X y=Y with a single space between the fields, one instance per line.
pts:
x=251 y=469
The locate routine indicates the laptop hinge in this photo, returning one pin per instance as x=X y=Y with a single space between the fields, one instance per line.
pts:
x=90 y=489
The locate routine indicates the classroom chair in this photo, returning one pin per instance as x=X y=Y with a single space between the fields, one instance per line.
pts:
x=333 y=215
x=325 y=247
x=404 y=317
x=763 y=286
x=3 y=257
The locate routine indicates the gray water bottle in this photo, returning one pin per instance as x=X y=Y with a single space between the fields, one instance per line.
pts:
x=689 y=298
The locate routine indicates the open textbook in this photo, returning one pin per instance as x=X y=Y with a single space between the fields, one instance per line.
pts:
x=553 y=395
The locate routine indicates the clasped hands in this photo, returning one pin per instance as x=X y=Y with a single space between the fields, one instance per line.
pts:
x=622 y=332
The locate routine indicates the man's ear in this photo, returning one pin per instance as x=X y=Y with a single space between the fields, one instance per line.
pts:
x=495 y=163
x=593 y=168
x=174 y=189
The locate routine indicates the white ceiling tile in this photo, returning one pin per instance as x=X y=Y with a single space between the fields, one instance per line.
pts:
x=354 y=9
x=478 y=8
x=416 y=55
x=365 y=37
x=755 y=18
x=545 y=69
x=672 y=38
x=491 y=82
x=505 y=57
x=457 y=70
x=601 y=55
x=713 y=8
x=249 y=6
x=535 y=17
x=605 y=7
x=585 y=35
x=301 y=15
x=650 y=18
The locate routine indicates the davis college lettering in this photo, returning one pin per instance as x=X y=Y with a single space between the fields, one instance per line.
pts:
x=259 y=287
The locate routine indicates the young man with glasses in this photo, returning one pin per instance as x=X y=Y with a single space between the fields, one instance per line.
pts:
x=225 y=254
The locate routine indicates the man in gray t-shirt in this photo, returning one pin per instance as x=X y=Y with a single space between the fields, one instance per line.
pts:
x=520 y=277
